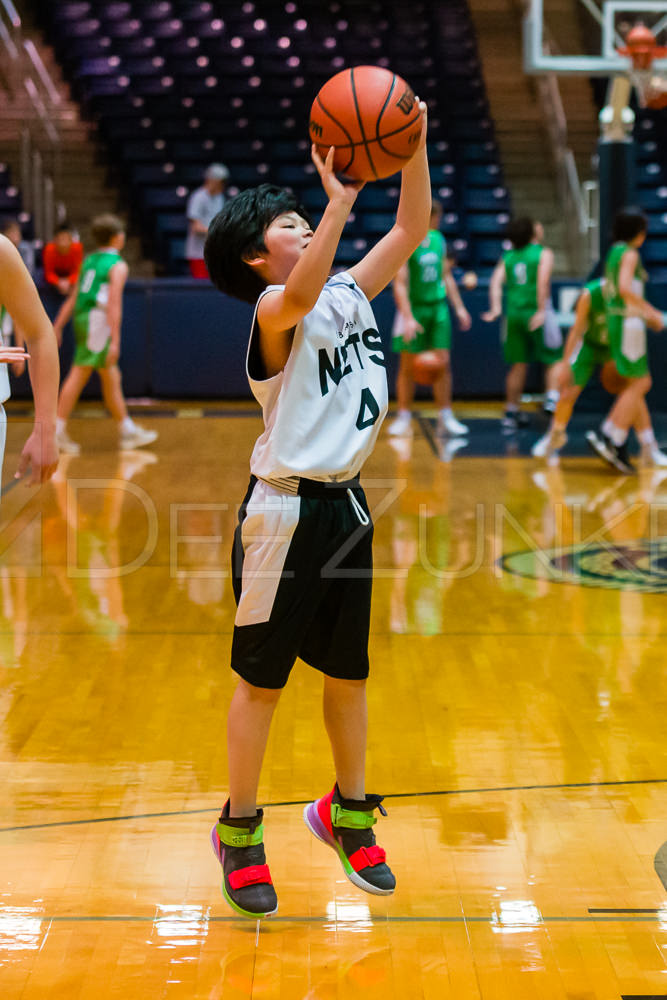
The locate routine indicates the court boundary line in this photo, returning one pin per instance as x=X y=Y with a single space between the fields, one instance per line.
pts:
x=303 y=802
x=375 y=919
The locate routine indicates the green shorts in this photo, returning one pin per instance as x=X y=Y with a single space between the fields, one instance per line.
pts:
x=521 y=345
x=586 y=360
x=435 y=320
x=92 y=339
x=627 y=341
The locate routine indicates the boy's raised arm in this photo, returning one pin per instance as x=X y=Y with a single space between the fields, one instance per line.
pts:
x=379 y=266
x=280 y=311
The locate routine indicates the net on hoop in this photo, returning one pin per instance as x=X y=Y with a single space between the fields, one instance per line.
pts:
x=642 y=48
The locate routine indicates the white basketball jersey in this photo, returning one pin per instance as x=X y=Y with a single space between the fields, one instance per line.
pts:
x=323 y=411
x=5 y=337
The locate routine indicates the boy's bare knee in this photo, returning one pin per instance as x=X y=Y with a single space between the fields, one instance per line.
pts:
x=253 y=693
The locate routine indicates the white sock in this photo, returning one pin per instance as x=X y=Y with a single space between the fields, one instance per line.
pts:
x=647 y=437
x=126 y=426
x=445 y=412
x=60 y=425
x=618 y=435
x=512 y=407
x=607 y=427
x=404 y=415
x=553 y=395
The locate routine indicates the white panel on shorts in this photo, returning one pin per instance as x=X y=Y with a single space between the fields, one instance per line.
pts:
x=267 y=530
x=553 y=335
x=3 y=434
x=99 y=330
x=633 y=345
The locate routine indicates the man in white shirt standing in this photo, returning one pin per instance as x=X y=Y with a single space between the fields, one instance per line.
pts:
x=203 y=205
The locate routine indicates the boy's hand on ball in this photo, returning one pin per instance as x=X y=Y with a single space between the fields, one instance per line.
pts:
x=423 y=110
x=333 y=186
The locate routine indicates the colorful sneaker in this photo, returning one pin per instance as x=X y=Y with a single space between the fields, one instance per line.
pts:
x=246 y=881
x=347 y=826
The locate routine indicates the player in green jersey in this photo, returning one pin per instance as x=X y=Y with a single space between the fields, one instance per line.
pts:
x=422 y=289
x=628 y=314
x=587 y=348
x=97 y=304
x=530 y=331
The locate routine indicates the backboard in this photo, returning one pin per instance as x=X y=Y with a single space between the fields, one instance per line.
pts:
x=602 y=28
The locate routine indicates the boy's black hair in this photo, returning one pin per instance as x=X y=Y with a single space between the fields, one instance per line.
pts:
x=62 y=227
x=628 y=224
x=520 y=231
x=238 y=231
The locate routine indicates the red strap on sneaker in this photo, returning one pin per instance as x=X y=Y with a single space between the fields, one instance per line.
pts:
x=367 y=857
x=253 y=875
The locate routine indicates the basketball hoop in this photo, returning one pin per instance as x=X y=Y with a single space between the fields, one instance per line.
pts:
x=642 y=49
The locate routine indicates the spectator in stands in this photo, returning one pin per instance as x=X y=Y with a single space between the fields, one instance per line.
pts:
x=422 y=289
x=19 y=297
x=203 y=205
x=62 y=259
x=97 y=304
x=12 y=230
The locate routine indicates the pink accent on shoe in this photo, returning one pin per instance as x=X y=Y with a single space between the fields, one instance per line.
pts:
x=253 y=875
x=324 y=812
x=367 y=857
x=215 y=841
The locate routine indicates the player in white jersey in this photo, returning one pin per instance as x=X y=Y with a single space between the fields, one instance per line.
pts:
x=302 y=562
x=19 y=297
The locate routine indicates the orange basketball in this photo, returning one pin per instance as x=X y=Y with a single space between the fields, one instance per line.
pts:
x=427 y=367
x=611 y=380
x=371 y=117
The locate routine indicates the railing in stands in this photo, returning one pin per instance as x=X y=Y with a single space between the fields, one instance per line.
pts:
x=577 y=201
x=38 y=136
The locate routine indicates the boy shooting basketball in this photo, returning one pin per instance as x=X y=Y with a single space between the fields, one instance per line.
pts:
x=302 y=564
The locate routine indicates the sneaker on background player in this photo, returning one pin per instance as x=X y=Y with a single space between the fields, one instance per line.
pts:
x=514 y=419
x=448 y=424
x=550 y=443
x=615 y=455
x=401 y=425
x=64 y=441
x=134 y=436
x=347 y=827
x=651 y=455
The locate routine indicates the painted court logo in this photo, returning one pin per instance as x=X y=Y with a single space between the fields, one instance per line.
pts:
x=640 y=564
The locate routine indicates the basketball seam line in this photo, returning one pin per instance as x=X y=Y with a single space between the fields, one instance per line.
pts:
x=340 y=125
x=361 y=124
x=362 y=142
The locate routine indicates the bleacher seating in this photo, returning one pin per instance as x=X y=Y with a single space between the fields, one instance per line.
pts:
x=651 y=146
x=175 y=85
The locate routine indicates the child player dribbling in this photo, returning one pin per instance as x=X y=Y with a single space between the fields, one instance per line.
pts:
x=316 y=365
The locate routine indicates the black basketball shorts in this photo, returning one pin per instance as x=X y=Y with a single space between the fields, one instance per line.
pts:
x=302 y=571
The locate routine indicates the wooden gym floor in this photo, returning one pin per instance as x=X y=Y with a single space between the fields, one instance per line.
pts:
x=517 y=729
